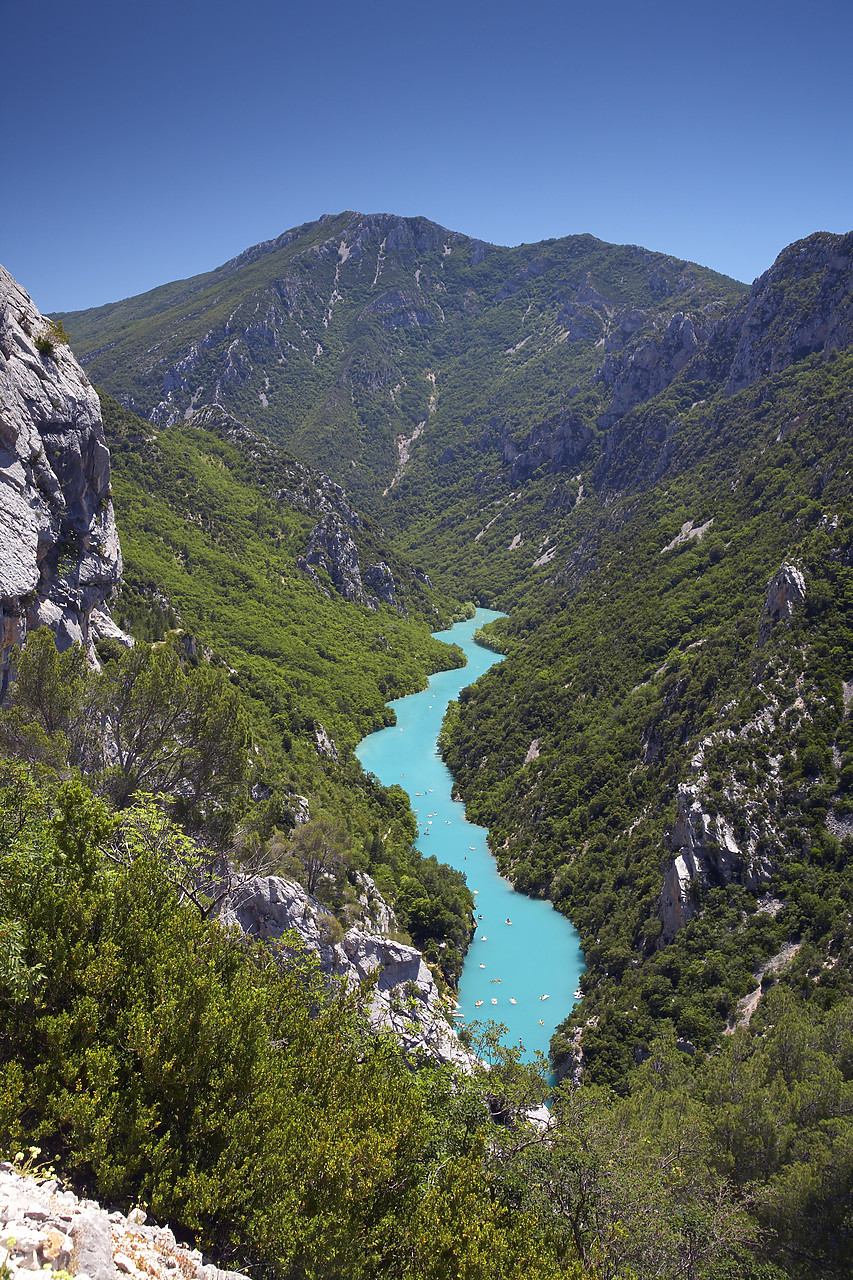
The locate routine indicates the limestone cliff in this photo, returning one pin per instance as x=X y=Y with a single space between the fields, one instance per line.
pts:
x=401 y=994
x=59 y=550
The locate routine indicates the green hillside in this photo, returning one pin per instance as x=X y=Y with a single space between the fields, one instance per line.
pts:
x=344 y=337
x=649 y=467
x=215 y=524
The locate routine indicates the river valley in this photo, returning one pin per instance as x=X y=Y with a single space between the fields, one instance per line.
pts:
x=525 y=960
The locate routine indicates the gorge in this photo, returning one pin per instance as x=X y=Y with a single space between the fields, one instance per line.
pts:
x=320 y=453
x=521 y=951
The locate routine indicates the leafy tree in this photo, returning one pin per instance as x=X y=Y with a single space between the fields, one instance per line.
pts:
x=319 y=850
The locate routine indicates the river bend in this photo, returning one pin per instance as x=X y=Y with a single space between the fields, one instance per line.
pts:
x=523 y=950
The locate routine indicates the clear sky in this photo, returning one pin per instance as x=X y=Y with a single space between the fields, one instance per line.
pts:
x=146 y=142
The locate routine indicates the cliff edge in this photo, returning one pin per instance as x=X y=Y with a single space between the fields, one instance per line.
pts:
x=59 y=550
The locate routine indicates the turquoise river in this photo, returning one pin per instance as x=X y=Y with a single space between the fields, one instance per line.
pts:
x=523 y=950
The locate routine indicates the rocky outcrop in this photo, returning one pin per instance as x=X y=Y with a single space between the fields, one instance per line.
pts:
x=59 y=550
x=380 y=580
x=332 y=548
x=557 y=444
x=647 y=368
x=399 y=992
x=325 y=745
x=802 y=305
x=785 y=590
x=705 y=853
x=48 y=1230
x=401 y=309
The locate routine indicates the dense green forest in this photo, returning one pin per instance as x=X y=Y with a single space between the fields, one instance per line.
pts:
x=156 y=1058
x=213 y=521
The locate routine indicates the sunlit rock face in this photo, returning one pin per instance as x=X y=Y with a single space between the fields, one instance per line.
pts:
x=59 y=551
x=400 y=994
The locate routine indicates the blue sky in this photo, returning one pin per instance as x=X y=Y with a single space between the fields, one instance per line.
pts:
x=145 y=143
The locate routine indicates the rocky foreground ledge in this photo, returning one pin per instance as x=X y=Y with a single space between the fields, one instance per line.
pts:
x=46 y=1229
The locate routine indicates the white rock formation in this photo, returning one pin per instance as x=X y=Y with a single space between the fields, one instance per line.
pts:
x=401 y=995
x=785 y=590
x=705 y=853
x=46 y=1230
x=59 y=550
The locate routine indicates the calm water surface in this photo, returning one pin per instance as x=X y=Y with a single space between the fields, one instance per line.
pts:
x=509 y=966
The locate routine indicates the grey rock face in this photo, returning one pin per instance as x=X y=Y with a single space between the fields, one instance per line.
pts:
x=380 y=580
x=325 y=745
x=557 y=444
x=93 y=1245
x=401 y=309
x=647 y=368
x=47 y=1230
x=705 y=853
x=59 y=551
x=331 y=547
x=401 y=996
x=785 y=590
x=802 y=305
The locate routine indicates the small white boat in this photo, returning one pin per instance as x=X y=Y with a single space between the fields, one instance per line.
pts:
x=471 y=847
x=483 y=937
x=494 y=1001
x=513 y=1000
x=579 y=994
x=545 y=997
x=477 y=1004
x=482 y=966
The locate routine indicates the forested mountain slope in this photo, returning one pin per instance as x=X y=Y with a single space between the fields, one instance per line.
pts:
x=267 y=571
x=361 y=341
x=667 y=750
x=651 y=466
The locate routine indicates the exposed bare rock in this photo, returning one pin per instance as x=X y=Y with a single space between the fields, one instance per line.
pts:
x=650 y=365
x=803 y=304
x=325 y=744
x=401 y=995
x=401 y=309
x=332 y=548
x=557 y=444
x=785 y=590
x=705 y=853
x=102 y=627
x=59 y=549
x=48 y=1230
x=748 y=1004
x=688 y=531
x=380 y=580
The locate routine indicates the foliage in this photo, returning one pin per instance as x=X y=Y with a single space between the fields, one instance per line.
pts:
x=143 y=724
x=53 y=335
x=164 y=1061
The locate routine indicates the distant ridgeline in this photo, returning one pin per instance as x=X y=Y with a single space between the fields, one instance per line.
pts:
x=648 y=466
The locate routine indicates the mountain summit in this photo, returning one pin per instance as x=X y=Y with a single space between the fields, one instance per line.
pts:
x=359 y=339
